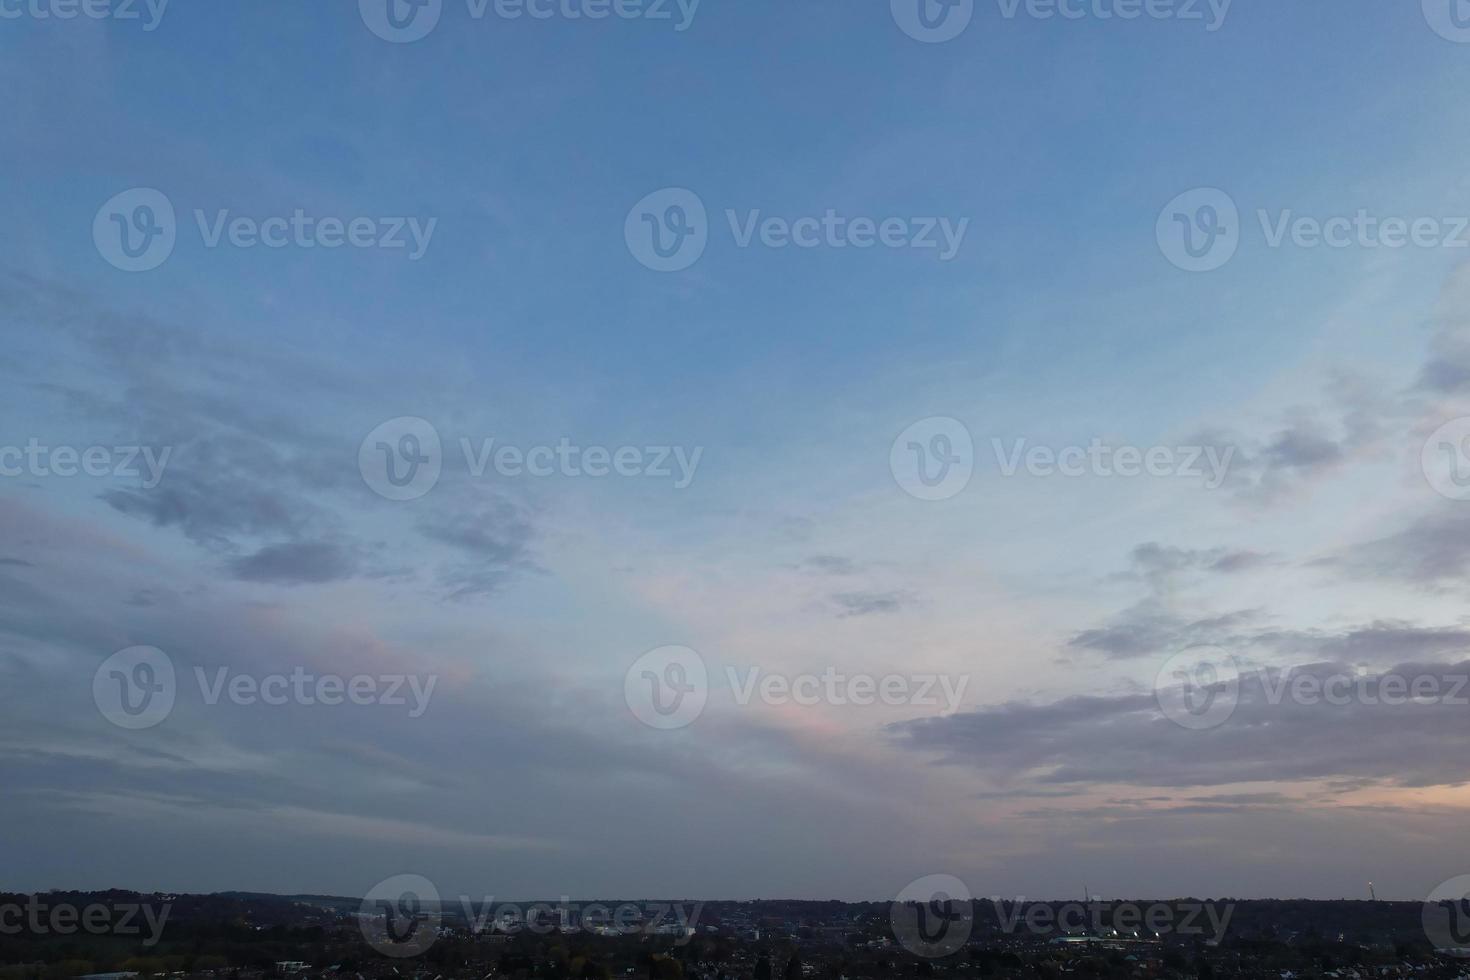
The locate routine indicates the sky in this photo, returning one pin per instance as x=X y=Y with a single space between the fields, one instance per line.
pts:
x=617 y=395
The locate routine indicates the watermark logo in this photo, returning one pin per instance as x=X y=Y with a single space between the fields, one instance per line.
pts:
x=575 y=10
x=933 y=916
x=135 y=688
x=1208 y=464
x=1210 y=13
x=1312 y=686
x=306 y=231
x=1363 y=229
x=668 y=230
x=400 y=916
x=674 y=919
x=1446 y=459
x=1199 y=231
x=135 y=231
x=120 y=10
x=1198 y=688
x=1450 y=19
x=933 y=459
x=937 y=21
x=401 y=459
x=38 y=917
x=839 y=689
x=667 y=688
x=405 y=21
x=1446 y=917
x=1097 y=917
x=932 y=21
x=400 y=21
x=36 y=459
x=305 y=688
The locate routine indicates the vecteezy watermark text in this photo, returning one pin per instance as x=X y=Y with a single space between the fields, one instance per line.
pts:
x=137 y=687
x=1211 y=464
x=668 y=688
x=669 y=230
x=405 y=21
x=39 y=460
x=676 y=919
x=934 y=459
x=120 y=10
x=403 y=458
x=1201 y=230
x=837 y=688
x=38 y=917
x=1202 y=688
x=136 y=231
x=1098 y=917
x=937 y=21
x=402 y=917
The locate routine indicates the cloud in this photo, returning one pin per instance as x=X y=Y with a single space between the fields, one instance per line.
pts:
x=1432 y=551
x=211 y=511
x=295 y=563
x=1378 y=642
x=1354 y=419
x=1148 y=628
x=498 y=535
x=870 y=603
x=1157 y=563
x=1447 y=369
x=497 y=539
x=1154 y=623
x=1303 y=447
x=831 y=565
x=1271 y=736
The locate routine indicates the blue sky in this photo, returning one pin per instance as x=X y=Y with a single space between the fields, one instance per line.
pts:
x=528 y=319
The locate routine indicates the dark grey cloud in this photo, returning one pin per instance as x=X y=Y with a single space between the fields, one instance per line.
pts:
x=1146 y=629
x=16 y=563
x=1432 y=551
x=466 y=582
x=870 y=603
x=295 y=563
x=1154 y=624
x=1313 y=441
x=263 y=488
x=1126 y=739
x=1150 y=627
x=497 y=541
x=830 y=565
x=1303 y=448
x=1447 y=372
x=1447 y=369
x=1382 y=641
x=500 y=534
x=210 y=510
x=1157 y=562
